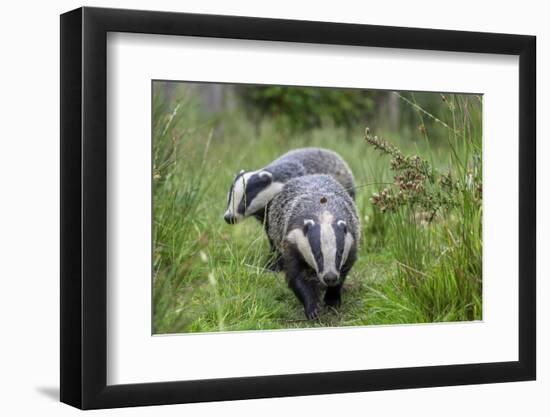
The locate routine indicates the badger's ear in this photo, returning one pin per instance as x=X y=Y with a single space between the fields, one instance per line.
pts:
x=266 y=176
x=307 y=224
x=241 y=172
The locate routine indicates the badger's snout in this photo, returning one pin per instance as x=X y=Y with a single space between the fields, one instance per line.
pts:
x=232 y=218
x=330 y=279
x=229 y=218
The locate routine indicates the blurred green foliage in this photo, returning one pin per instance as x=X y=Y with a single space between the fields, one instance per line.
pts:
x=300 y=109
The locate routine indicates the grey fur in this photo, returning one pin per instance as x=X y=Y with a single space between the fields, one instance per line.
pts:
x=300 y=199
x=308 y=161
x=293 y=164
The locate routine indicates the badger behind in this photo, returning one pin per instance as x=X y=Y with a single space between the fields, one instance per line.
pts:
x=251 y=191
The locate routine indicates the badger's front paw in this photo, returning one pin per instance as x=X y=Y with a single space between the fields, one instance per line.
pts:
x=333 y=300
x=312 y=311
x=333 y=296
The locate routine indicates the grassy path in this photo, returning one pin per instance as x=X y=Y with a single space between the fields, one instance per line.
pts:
x=208 y=275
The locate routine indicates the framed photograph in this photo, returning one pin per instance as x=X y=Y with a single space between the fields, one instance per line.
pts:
x=257 y=208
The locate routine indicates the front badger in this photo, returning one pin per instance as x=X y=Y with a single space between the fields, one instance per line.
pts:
x=314 y=225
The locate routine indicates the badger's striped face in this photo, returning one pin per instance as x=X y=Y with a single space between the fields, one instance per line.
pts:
x=249 y=193
x=325 y=245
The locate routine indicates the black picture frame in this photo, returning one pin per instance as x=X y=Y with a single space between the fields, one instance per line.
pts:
x=84 y=207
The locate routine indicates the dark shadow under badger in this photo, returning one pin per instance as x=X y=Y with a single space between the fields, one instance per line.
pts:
x=314 y=226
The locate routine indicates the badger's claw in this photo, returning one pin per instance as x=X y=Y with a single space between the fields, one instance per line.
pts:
x=312 y=311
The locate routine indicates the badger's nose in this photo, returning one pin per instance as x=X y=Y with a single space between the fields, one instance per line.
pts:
x=229 y=218
x=330 y=279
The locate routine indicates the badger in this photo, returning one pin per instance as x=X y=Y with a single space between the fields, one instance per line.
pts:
x=314 y=226
x=251 y=191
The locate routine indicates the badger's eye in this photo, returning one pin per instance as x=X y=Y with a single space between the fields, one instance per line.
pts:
x=343 y=225
x=307 y=224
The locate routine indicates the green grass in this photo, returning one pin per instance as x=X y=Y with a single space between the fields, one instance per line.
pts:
x=209 y=276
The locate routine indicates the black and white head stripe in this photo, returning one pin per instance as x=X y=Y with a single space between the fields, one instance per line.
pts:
x=250 y=192
x=324 y=245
